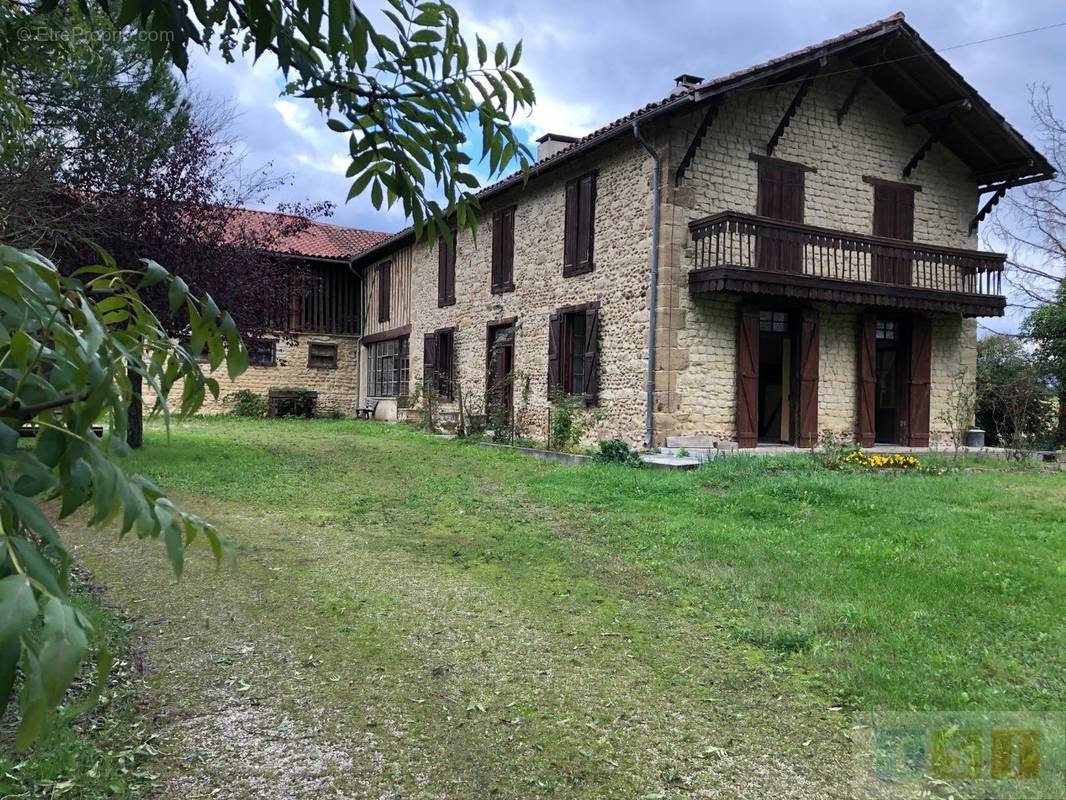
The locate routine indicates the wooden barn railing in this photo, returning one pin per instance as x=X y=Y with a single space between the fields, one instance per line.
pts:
x=733 y=239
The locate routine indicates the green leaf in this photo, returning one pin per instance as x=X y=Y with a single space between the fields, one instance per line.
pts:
x=337 y=125
x=32 y=516
x=63 y=650
x=18 y=607
x=36 y=565
x=482 y=51
x=153 y=274
x=501 y=54
x=9 y=439
x=9 y=662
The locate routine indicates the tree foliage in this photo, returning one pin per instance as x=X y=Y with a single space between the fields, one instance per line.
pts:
x=1046 y=328
x=67 y=346
x=406 y=88
x=1013 y=400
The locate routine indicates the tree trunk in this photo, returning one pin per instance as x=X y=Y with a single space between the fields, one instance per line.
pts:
x=135 y=413
x=1060 y=437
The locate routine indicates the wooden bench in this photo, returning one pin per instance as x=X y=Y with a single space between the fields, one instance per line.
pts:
x=367 y=411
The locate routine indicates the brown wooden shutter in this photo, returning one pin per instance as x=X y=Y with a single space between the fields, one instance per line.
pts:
x=780 y=196
x=586 y=231
x=894 y=219
x=429 y=360
x=810 y=338
x=747 y=376
x=384 y=291
x=570 y=229
x=867 y=378
x=446 y=269
x=920 y=368
x=555 y=338
x=503 y=250
x=591 y=388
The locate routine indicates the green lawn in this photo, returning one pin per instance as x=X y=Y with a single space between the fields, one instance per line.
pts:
x=442 y=619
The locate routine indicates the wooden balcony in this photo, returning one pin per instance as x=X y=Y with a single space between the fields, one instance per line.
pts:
x=747 y=254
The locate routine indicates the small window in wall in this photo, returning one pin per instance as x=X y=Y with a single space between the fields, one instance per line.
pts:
x=438 y=362
x=321 y=355
x=446 y=269
x=886 y=330
x=773 y=322
x=503 y=250
x=573 y=351
x=388 y=365
x=384 y=291
x=261 y=352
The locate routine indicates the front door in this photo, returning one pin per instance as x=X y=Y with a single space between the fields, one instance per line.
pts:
x=887 y=391
x=501 y=378
x=893 y=219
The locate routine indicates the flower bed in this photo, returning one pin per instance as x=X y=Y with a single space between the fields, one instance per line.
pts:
x=893 y=461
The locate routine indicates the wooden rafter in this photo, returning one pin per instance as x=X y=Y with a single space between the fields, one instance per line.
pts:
x=697 y=139
x=790 y=112
x=986 y=209
x=845 y=107
x=927 y=145
x=938 y=112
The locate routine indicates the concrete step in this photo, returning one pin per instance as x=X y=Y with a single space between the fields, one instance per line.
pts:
x=697 y=440
x=701 y=454
x=660 y=461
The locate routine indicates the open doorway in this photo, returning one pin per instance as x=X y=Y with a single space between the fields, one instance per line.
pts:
x=775 y=378
x=500 y=378
x=889 y=397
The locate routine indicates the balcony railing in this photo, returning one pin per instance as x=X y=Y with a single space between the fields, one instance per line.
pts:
x=732 y=239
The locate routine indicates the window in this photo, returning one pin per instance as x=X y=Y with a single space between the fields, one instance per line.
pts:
x=579 y=225
x=446 y=270
x=780 y=197
x=438 y=362
x=503 y=250
x=573 y=351
x=261 y=352
x=388 y=364
x=773 y=322
x=885 y=330
x=384 y=290
x=321 y=355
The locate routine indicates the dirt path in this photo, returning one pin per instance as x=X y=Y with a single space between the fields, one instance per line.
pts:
x=354 y=655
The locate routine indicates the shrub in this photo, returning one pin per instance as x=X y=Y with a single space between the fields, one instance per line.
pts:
x=568 y=420
x=615 y=451
x=247 y=403
x=833 y=450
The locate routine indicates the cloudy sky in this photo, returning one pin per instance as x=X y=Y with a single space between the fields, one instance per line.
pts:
x=591 y=62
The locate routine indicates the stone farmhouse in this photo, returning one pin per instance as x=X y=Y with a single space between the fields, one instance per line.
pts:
x=757 y=258
x=760 y=257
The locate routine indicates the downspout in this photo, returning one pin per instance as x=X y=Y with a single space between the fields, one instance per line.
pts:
x=653 y=264
x=358 y=339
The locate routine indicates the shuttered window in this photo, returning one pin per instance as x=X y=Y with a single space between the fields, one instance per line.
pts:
x=781 y=196
x=322 y=355
x=579 y=227
x=574 y=352
x=894 y=219
x=503 y=250
x=384 y=290
x=438 y=362
x=446 y=270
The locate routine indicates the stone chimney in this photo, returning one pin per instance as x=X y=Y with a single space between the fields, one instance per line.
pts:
x=551 y=143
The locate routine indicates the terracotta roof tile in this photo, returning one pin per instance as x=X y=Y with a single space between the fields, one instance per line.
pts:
x=312 y=240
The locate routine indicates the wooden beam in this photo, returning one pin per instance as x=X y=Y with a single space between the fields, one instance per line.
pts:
x=938 y=112
x=845 y=107
x=1002 y=171
x=697 y=139
x=986 y=209
x=927 y=145
x=790 y=112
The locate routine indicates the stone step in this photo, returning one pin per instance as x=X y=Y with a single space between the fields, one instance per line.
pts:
x=660 y=461
x=699 y=453
x=697 y=440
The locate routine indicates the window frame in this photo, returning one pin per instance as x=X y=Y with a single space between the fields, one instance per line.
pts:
x=332 y=358
x=253 y=342
x=384 y=290
x=400 y=367
x=564 y=379
x=446 y=252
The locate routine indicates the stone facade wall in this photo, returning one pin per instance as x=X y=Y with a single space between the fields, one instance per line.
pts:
x=336 y=387
x=619 y=281
x=696 y=337
x=696 y=353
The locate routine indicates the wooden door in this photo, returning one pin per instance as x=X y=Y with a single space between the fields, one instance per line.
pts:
x=781 y=195
x=748 y=376
x=920 y=368
x=867 y=378
x=500 y=374
x=807 y=407
x=894 y=219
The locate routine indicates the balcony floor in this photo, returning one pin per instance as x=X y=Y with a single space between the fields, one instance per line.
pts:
x=745 y=280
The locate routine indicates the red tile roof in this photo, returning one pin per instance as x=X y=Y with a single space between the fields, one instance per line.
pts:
x=310 y=239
